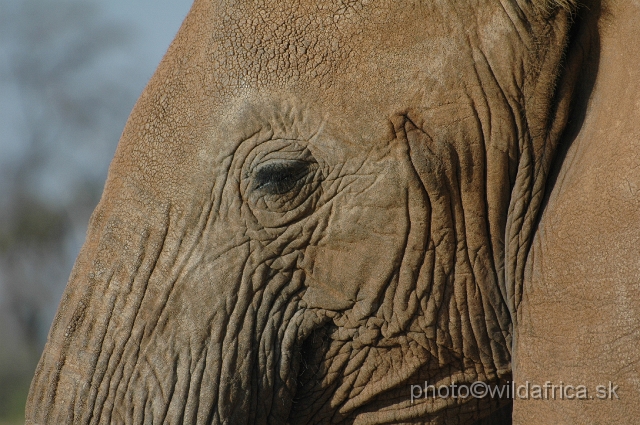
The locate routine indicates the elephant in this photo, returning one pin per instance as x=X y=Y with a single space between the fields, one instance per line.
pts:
x=327 y=212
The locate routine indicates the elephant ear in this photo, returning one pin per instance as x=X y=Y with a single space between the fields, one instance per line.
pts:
x=547 y=7
x=578 y=313
x=556 y=60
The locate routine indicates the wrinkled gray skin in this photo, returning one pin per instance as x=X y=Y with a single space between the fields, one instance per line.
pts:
x=313 y=206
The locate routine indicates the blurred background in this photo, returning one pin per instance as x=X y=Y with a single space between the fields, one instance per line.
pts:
x=70 y=72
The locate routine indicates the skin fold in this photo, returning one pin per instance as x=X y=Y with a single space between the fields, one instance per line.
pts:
x=579 y=314
x=315 y=205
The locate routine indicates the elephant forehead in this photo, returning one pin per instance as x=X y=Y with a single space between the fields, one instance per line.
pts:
x=353 y=65
x=325 y=44
x=359 y=62
x=280 y=42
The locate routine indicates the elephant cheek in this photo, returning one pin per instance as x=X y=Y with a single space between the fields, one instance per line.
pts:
x=353 y=266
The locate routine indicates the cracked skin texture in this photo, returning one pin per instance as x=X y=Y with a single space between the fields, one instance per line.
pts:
x=313 y=206
x=579 y=317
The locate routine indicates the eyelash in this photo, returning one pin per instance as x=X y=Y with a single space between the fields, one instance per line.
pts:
x=280 y=178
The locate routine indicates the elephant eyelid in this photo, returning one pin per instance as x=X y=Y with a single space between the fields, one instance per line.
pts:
x=278 y=178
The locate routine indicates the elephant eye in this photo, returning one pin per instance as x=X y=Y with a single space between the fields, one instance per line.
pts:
x=282 y=183
x=280 y=177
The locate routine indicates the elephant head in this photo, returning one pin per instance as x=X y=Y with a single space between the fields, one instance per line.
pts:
x=313 y=206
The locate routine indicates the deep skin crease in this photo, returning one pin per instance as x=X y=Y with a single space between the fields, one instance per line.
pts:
x=313 y=206
x=579 y=316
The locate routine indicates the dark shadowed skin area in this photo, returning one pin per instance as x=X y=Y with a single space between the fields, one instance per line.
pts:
x=579 y=316
x=313 y=206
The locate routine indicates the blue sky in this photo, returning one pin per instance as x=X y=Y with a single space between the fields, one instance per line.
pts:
x=156 y=23
x=60 y=128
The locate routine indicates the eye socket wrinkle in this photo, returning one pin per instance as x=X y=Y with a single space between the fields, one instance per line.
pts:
x=280 y=177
